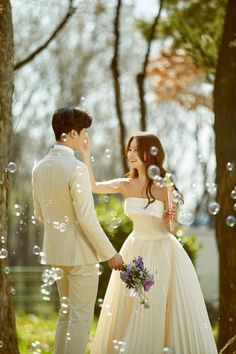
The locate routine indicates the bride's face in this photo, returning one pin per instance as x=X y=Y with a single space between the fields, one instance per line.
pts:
x=132 y=155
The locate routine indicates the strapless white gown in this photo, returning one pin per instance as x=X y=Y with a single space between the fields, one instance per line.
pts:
x=177 y=318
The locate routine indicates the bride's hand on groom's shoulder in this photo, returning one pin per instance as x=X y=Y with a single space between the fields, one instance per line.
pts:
x=116 y=262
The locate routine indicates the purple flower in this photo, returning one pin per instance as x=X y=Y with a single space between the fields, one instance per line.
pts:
x=139 y=261
x=149 y=281
x=125 y=276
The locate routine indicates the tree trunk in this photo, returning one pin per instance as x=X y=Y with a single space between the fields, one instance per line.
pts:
x=116 y=81
x=8 y=338
x=225 y=131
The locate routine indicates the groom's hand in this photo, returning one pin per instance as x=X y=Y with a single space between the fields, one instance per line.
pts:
x=116 y=262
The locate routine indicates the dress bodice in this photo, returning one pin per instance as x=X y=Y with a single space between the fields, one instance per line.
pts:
x=147 y=222
x=137 y=206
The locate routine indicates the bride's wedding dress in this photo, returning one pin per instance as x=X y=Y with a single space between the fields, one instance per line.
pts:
x=177 y=321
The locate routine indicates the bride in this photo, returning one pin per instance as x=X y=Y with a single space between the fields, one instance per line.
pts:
x=177 y=321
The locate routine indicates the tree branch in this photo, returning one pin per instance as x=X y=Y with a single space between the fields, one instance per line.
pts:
x=141 y=76
x=70 y=12
x=116 y=75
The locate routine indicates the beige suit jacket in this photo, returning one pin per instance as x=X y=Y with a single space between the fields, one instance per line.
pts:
x=63 y=201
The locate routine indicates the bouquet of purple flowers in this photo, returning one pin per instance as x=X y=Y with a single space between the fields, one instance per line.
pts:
x=138 y=279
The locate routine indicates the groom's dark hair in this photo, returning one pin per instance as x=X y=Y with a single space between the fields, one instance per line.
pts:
x=66 y=119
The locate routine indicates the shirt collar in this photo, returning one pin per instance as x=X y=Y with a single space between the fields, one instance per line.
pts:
x=63 y=147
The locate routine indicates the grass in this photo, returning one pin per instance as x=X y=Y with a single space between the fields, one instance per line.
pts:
x=36 y=331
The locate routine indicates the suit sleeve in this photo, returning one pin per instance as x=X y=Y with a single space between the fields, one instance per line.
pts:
x=81 y=193
x=37 y=210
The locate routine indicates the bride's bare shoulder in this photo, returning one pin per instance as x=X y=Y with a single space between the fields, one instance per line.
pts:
x=125 y=184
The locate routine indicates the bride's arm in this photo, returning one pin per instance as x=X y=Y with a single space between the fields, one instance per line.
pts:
x=107 y=187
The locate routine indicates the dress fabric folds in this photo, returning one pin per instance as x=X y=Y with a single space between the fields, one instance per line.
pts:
x=177 y=321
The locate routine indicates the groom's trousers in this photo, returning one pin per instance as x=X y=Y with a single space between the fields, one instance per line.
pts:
x=79 y=287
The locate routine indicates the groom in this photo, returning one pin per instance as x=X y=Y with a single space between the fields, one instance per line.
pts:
x=73 y=238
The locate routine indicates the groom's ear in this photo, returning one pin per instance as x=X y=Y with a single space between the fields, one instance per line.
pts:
x=73 y=133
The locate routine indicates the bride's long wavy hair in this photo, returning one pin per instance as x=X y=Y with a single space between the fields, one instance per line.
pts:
x=145 y=143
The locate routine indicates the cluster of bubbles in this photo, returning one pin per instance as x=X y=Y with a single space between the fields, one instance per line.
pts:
x=119 y=345
x=211 y=188
x=3 y=250
x=1 y=344
x=64 y=310
x=49 y=276
x=35 y=347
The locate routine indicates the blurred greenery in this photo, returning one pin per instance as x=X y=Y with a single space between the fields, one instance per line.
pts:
x=37 y=332
x=118 y=226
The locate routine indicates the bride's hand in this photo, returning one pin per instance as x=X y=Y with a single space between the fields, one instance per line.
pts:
x=170 y=214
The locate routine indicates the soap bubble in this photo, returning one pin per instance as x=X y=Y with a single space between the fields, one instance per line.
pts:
x=99 y=268
x=167 y=350
x=18 y=209
x=153 y=150
x=3 y=253
x=11 y=167
x=153 y=172
x=36 y=250
x=229 y=166
x=58 y=272
x=177 y=197
x=233 y=193
x=213 y=208
x=62 y=227
x=63 y=137
x=106 y=198
x=186 y=217
x=6 y=270
x=230 y=220
x=115 y=223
